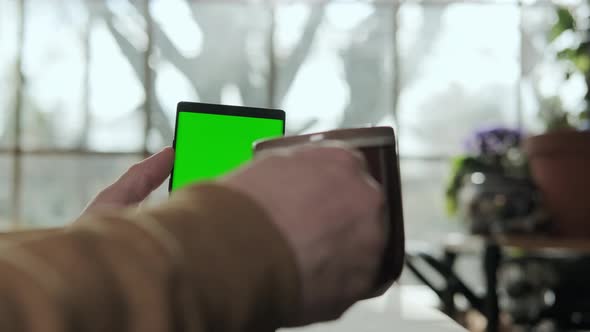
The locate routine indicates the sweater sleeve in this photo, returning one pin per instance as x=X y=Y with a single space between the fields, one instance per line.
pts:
x=209 y=259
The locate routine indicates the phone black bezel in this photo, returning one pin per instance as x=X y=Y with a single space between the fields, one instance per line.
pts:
x=219 y=109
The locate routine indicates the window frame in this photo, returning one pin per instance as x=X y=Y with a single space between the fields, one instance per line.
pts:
x=17 y=152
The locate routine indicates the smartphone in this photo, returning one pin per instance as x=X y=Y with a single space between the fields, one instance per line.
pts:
x=211 y=140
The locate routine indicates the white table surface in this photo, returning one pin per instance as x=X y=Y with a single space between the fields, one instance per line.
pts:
x=403 y=308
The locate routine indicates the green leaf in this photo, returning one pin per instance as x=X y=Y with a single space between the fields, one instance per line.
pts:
x=558 y=123
x=567 y=54
x=565 y=21
x=460 y=166
x=454 y=183
x=452 y=206
x=582 y=62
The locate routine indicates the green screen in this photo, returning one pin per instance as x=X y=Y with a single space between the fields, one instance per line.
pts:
x=210 y=145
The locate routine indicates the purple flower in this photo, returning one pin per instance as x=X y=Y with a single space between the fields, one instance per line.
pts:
x=493 y=142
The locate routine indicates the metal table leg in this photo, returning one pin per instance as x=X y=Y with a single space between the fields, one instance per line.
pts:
x=492 y=257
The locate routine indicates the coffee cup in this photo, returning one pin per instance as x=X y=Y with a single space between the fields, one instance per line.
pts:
x=378 y=146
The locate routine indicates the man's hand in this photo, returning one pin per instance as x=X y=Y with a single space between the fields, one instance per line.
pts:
x=136 y=184
x=330 y=211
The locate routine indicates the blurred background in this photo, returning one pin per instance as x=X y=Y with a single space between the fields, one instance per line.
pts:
x=89 y=87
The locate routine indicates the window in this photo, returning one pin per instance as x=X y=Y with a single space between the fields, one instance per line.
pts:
x=89 y=87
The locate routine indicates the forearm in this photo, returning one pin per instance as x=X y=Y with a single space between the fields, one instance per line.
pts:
x=245 y=272
x=208 y=260
x=16 y=237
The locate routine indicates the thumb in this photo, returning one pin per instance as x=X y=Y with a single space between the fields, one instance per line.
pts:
x=138 y=182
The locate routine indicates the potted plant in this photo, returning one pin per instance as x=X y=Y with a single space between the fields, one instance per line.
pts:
x=560 y=158
x=490 y=185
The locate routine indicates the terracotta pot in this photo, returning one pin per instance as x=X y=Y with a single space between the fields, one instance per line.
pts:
x=560 y=163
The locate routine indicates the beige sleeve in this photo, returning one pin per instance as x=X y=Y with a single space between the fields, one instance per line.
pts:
x=207 y=260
